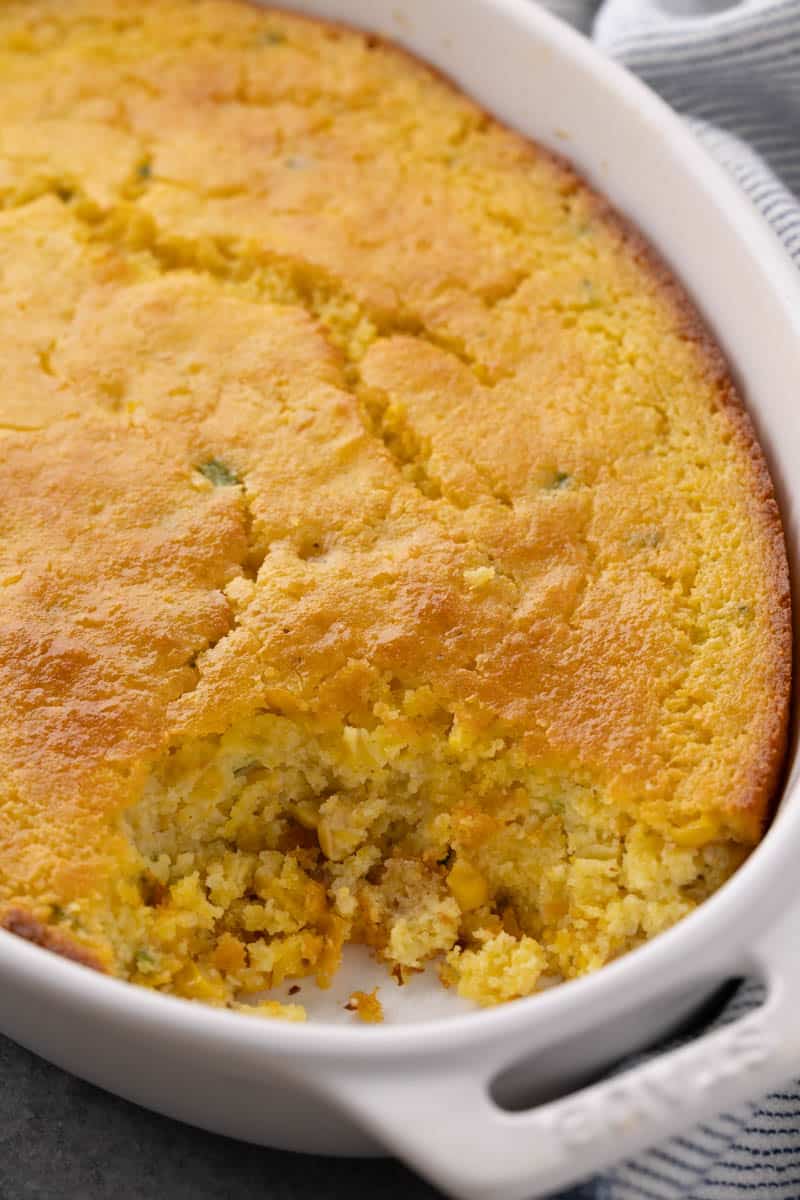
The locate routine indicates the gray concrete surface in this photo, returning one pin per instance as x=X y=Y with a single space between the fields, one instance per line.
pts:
x=61 y=1139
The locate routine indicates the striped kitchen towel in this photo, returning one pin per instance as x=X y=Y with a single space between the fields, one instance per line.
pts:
x=732 y=69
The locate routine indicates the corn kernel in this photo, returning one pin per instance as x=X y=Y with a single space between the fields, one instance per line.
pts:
x=198 y=984
x=696 y=833
x=479 y=577
x=229 y=954
x=335 y=843
x=467 y=885
x=306 y=814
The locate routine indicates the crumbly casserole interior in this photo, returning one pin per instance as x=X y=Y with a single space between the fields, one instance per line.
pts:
x=385 y=555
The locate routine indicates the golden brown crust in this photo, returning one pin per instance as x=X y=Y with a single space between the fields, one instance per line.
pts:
x=766 y=772
x=23 y=925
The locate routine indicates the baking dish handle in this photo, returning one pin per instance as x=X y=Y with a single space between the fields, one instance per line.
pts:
x=440 y=1117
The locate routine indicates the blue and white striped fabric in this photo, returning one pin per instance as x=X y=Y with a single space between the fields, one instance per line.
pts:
x=733 y=70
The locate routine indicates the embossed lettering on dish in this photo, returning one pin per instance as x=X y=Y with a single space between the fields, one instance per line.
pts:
x=661 y=1089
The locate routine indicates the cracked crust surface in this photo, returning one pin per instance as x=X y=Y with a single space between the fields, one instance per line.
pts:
x=467 y=436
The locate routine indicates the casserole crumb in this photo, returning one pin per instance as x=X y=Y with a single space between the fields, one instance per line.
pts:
x=366 y=1006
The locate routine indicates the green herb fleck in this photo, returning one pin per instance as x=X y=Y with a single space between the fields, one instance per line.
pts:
x=641 y=538
x=57 y=913
x=274 y=37
x=591 y=297
x=144 y=961
x=64 y=194
x=556 y=806
x=144 y=170
x=561 y=479
x=217 y=473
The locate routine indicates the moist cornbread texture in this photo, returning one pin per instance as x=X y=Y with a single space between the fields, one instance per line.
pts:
x=385 y=555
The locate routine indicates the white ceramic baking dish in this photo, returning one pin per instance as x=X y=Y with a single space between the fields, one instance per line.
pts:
x=421 y=1086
